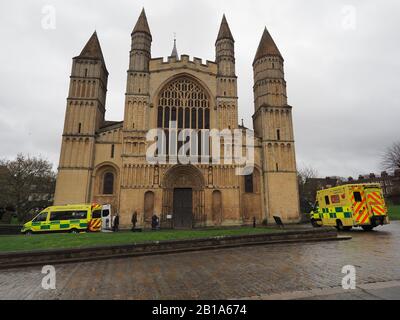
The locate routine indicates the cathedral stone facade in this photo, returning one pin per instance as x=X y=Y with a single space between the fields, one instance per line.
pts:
x=105 y=161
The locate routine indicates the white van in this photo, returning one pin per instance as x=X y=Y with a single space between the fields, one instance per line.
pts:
x=106 y=217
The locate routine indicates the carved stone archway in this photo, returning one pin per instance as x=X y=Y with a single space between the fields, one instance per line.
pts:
x=183 y=177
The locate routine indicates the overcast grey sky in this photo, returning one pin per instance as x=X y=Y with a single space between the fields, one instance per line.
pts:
x=341 y=61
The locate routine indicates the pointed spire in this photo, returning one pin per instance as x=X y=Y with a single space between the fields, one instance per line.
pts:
x=267 y=47
x=142 y=25
x=92 y=49
x=175 y=50
x=224 y=30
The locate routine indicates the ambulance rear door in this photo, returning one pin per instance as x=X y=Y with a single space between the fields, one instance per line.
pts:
x=106 y=217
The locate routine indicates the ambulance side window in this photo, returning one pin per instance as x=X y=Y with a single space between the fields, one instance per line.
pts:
x=327 y=202
x=96 y=214
x=357 y=196
x=41 y=217
x=81 y=215
x=68 y=215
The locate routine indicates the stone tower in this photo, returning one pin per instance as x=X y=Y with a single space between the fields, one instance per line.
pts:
x=227 y=97
x=84 y=116
x=273 y=125
x=137 y=91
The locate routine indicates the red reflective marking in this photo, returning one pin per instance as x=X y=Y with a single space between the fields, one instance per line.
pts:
x=359 y=206
x=374 y=197
x=360 y=214
x=380 y=210
x=365 y=218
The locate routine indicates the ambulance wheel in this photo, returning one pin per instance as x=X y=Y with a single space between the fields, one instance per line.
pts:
x=347 y=228
x=29 y=233
x=315 y=224
x=74 y=231
x=339 y=225
x=368 y=228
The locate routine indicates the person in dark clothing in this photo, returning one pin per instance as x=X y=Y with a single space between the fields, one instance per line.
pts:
x=134 y=220
x=116 y=223
x=154 y=222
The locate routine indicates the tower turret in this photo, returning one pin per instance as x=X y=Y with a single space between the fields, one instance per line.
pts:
x=226 y=80
x=84 y=116
x=225 y=50
x=88 y=88
x=137 y=92
x=141 y=45
x=269 y=77
x=273 y=125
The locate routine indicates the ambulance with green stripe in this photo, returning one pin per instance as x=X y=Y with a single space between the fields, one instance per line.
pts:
x=69 y=218
x=348 y=206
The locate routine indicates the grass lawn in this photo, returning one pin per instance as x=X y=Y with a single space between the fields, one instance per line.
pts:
x=394 y=212
x=64 y=241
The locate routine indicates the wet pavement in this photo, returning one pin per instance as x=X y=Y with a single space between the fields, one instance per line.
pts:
x=250 y=272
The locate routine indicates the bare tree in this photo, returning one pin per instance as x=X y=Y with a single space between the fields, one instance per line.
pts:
x=26 y=183
x=306 y=173
x=307 y=190
x=391 y=158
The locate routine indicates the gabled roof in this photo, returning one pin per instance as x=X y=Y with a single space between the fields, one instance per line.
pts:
x=267 y=47
x=224 y=30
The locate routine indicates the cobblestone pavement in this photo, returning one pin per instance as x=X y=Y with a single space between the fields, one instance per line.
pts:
x=220 y=274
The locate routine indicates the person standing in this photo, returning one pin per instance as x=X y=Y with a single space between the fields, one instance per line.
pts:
x=116 y=223
x=134 y=220
x=154 y=222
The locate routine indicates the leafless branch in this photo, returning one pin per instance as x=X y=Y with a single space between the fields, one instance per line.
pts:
x=391 y=158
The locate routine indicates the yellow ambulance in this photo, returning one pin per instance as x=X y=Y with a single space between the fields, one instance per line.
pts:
x=69 y=218
x=348 y=206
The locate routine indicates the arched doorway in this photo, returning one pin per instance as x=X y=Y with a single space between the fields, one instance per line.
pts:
x=183 y=198
x=183 y=208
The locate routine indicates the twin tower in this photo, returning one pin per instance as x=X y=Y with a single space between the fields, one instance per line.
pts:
x=105 y=161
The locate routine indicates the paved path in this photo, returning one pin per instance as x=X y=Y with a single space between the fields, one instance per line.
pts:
x=258 y=272
x=371 y=291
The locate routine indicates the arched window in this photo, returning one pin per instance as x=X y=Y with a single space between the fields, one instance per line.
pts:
x=188 y=105
x=185 y=101
x=108 y=183
x=112 y=151
x=249 y=184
